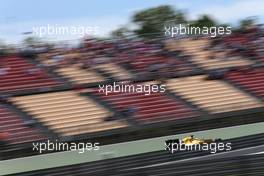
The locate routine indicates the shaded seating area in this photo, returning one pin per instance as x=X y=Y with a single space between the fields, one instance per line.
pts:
x=19 y=74
x=116 y=71
x=251 y=80
x=152 y=108
x=160 y=64
x=15 y=130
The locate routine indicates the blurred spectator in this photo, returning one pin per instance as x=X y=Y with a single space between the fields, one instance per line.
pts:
x=30 y=123
x=4 y=136
x=4 y=98
x=33 y=71
x=215 y=74
x=4 y=71
x=130 y=113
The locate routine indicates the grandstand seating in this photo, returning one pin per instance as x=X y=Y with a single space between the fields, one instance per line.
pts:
x=115 y=70
x=172 y=65
x=67 y=113
x=251 y=43
x=78 y=75
x=213 y=95
x=200 y=56
x=251 y=80
x=23 y=75
x=149 y=108
x=73 y=72
x=18 y=131
x=44 y=58
x=143 y=61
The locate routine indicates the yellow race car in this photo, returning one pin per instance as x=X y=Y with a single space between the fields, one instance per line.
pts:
x=174 y=144
x=190 y=140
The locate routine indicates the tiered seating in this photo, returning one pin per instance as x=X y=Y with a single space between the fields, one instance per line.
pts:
x=116 y=71
x=174 y=65
x=173 y=45
x=202 y=57
x=44 y=58
x=48 y=59
x=144 y=61
x=250 y=80
x=16 y=128
x=79 y=75
x=215 y=96
x=67 y=112
x=149 y=108
x=19 y=74
x=74 y=72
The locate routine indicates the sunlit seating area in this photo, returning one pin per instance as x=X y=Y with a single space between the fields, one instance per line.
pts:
x=67 y=113
x=215 y=96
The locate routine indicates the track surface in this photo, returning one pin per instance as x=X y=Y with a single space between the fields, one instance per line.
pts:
x=156 y=163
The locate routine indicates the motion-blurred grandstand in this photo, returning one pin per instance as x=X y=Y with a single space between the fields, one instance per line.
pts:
x=51 y=92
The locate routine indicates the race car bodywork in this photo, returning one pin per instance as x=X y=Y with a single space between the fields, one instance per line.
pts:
x=190 y=140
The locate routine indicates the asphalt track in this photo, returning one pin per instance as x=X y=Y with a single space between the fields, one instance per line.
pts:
x=154 y=162
x=258 y=150
x=136 y=154
x=243 y=162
